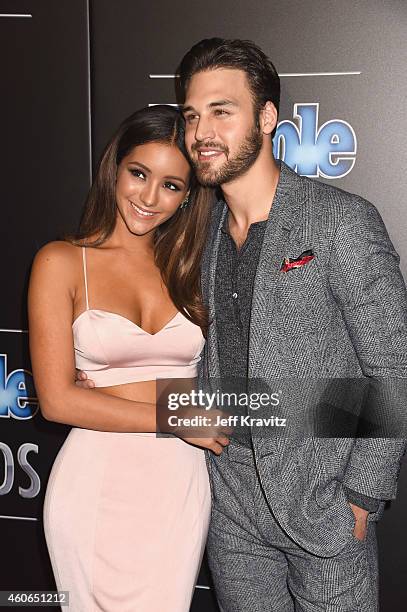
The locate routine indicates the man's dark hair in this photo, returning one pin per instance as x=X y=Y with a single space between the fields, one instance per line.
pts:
x=212 y=53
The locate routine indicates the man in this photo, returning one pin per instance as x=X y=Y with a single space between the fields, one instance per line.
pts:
x=302 y=282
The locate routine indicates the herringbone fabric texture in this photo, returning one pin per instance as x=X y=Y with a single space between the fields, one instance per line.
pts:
x=342 y=315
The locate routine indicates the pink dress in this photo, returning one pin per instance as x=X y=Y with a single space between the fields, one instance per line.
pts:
x=126 y=514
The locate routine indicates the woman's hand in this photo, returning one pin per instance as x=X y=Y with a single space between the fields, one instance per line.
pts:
x=204 y=428
x=215 y=444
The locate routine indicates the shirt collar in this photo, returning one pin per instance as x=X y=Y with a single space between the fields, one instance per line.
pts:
x=254 y=227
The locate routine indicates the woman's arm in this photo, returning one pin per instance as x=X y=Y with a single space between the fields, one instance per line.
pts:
x=50 y=310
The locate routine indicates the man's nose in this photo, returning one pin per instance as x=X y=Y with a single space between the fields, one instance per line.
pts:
x=204 y=130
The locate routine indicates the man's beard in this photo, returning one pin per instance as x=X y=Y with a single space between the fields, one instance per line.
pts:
x=233 y=168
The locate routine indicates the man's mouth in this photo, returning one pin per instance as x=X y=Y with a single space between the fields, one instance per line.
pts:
x=141 y=212
x=206 y=154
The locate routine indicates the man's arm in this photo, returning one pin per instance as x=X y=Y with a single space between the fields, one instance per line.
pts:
x=367 y=284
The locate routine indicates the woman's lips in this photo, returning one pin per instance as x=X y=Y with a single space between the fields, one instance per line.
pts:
x=141 y=212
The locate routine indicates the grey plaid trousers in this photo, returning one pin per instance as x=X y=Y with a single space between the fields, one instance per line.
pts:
x=257 y=567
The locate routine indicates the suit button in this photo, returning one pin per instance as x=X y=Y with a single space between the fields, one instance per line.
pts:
x=234 y=295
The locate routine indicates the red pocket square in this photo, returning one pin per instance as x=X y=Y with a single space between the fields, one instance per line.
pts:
x=289 y=264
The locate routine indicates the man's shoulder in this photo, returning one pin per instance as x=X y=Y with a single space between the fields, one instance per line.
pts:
x=328 y=195
x=328 y=201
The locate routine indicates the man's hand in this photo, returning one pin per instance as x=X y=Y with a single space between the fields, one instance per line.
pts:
x=81 y=380
x=360 y=529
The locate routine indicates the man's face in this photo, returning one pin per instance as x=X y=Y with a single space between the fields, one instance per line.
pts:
x=222 y=135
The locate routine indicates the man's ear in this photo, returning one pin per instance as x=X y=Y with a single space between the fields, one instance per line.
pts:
x=268 y=117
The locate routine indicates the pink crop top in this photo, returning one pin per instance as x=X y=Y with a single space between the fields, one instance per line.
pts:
x=113 y=350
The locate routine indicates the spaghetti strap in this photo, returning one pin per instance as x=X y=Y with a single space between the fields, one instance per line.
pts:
x=85 y=276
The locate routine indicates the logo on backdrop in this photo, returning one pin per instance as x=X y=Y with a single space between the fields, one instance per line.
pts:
x=18 y=400
x=328 y=151
x=17 y=394
x=6 y=486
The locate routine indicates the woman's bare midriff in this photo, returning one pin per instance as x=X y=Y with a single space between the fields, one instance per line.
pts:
x=143 y=391
x=146 y=391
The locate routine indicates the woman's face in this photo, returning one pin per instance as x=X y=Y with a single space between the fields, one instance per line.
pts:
x=152 y=181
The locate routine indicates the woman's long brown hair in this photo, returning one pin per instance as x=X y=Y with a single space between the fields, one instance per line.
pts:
x=179 y=242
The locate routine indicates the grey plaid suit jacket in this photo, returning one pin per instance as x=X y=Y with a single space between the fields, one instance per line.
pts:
x=343 y=315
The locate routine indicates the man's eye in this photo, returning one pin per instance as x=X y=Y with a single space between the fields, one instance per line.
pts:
x=171 y=187
x=220 y=111
x=138 y=173
x=190 y=118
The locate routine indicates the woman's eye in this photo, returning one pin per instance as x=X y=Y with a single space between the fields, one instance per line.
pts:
x=138 y=173
x=171 y=186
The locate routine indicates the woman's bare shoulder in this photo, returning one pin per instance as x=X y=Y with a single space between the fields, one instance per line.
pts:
x=58 y=256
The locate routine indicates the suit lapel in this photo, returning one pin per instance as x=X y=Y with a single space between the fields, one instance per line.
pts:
x=208 y=275
x=286 y=216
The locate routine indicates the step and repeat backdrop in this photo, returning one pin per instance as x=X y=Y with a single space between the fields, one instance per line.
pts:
x=71 y=71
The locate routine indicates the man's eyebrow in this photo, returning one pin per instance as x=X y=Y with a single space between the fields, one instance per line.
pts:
x=222 y=103
x=186 y=109
x=215 y=104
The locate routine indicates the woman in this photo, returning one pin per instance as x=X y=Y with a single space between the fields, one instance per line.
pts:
x=126 y=513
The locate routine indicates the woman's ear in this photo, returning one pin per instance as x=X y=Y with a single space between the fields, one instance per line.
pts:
x=185 y=201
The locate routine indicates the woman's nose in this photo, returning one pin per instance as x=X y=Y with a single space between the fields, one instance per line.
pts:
x=149 y=195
